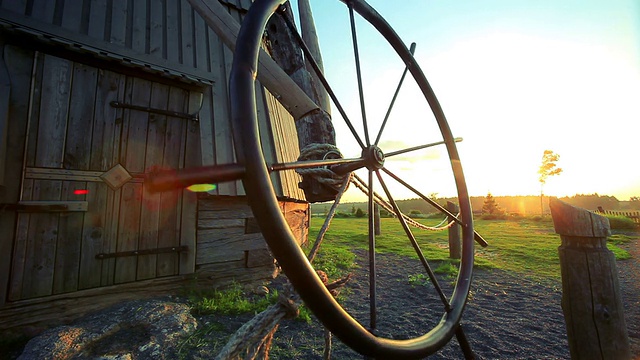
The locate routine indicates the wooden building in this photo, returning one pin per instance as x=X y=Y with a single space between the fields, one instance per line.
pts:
x=94 y=94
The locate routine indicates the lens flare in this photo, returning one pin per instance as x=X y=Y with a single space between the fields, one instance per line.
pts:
x=80 y=192
x=202 y=187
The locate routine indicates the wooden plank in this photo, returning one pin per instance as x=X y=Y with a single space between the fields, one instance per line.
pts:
x=139 y=27
x=34 y=109
x=214 y=223
x=173 y=41
x=54 y=107
x=110 y=243
x=62 y=174
x=206 y=121
x=192 y=158
x=93 y=236
x=171 y=202
x=41 y=243
x=72 y=16
x=114 y=198
x=150 y=217
x=286 y=140
x=19 y=64
x=187 y=35
x=17 y=6
x=18 y=261
x=266 y=138
x=67 y=257
x=228 y=59
x=80 y=125
x=223 y=146
x=206 y=236
x=119 y=16
x=128 y=227
x=107 y=121
x=229 y=248
x=43 y=10
x=137 y=129
x=97 y=19
x=156 y=28
x=258 y=258
x=242 y=211
x=201 y=45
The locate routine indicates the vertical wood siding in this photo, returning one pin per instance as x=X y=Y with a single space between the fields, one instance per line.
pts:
x=166 y=37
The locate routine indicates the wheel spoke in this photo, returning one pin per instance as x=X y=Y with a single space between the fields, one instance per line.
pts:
x=412 y=49
x=327 y=221
x=416 y=247
x=420 y=147
x=323 y=80
x=354 y=39
x=372 y=259
x=479 y=239
x=305 y=164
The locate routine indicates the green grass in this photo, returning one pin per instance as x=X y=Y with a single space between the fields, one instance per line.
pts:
x=230 y=301
x=524 y=246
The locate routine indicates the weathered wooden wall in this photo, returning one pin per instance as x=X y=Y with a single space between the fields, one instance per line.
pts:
x=164 y=38
x=240 y=256
x=76 y=144
x=63 y=63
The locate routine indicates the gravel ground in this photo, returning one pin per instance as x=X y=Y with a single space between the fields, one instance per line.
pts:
x=507 y=316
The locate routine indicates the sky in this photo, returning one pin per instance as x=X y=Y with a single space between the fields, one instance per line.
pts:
x=514 y=78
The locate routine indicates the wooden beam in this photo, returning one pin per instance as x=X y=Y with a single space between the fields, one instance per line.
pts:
x=269 y=73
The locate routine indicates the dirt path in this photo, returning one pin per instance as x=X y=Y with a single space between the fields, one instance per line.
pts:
x=629 y=276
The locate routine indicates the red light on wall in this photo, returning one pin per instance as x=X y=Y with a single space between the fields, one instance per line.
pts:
x=80 y=192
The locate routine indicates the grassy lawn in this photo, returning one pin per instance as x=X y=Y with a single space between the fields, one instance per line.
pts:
x=525 y=246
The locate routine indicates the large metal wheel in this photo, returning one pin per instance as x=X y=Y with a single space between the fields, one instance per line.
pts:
x=371 y=160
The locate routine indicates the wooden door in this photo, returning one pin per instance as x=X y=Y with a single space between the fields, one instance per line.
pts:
x=86 y=218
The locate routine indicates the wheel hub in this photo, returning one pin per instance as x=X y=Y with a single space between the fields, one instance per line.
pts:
x=374 y=157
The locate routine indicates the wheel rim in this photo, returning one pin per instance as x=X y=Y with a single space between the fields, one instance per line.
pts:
x=281 y=241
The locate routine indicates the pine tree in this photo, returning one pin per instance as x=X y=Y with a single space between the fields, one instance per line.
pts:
x=490 y=206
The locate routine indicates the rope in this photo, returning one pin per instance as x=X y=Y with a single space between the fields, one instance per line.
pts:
x=360 y=184
x=322 y=174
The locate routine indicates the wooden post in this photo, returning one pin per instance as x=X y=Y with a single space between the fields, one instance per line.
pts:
x=591 y=300
x=455 y=249
x=310 y=36
x=376 y=219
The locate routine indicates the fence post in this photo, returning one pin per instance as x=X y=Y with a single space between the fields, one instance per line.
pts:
x=591 y=300
x=454 y=233
x=376 y=219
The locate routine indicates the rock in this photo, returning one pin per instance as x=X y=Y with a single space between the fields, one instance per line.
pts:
x=142 y=329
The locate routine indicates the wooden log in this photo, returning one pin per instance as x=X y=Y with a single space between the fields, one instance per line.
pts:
x=591 y=301
x=455 y=249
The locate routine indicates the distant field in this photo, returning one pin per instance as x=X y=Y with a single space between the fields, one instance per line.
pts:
x=526 y=246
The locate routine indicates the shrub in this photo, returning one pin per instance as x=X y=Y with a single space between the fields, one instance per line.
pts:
x=494 y=217
x=621 y=223
x=359 y=213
